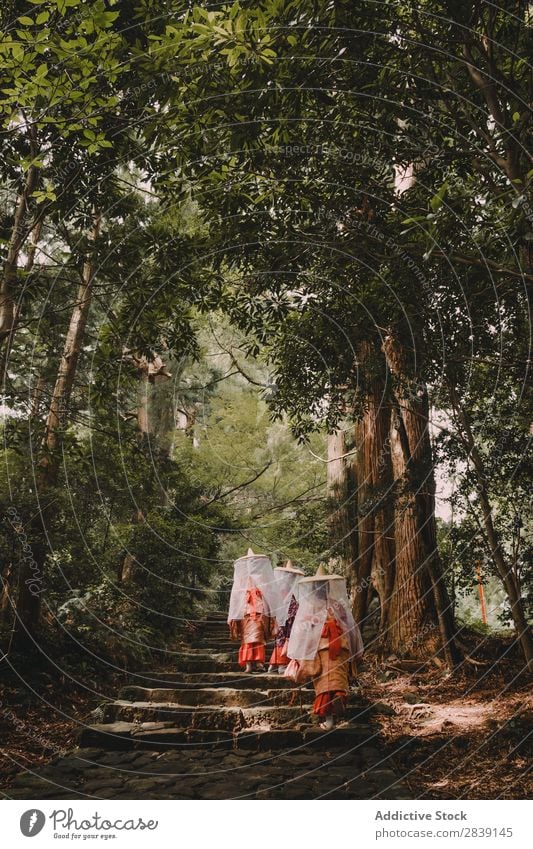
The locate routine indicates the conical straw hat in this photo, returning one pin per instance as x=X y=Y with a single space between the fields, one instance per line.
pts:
x=250 y=553
x=321 y=575
x=288 y=567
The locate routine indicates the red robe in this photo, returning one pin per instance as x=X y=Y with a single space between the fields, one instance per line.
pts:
x=329 y=671
x=254 y=630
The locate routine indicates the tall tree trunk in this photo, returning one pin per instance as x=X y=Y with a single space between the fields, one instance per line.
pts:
x=421 y=615
x=185 y=420
x=143 y=407
x=15 y=316
x=37 y=396
x=31 y=579
x=149 y=373
x=11 y=575
x=342 y=510
x=6 y=594
x=126 y=568
x=8 y=286
x=376 y=556
x=505 y=570
x=144 y=433
x=62 y=390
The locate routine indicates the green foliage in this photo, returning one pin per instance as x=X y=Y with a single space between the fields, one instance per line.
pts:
x=273 y=487
x=276 y=208
x=175 y=558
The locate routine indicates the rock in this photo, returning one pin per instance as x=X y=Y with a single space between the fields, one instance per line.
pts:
x=101 y=784
x=410 y=698
x=382 y=709
x=420 y=710
x=263 y=792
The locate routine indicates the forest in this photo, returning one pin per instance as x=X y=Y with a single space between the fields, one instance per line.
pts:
x=265 y=282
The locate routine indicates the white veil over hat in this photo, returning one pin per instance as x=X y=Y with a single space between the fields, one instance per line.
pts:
x=315 y=596
x=286 y=578
x=252 y=570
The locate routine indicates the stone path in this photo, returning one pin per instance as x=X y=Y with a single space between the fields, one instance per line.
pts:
x=207 y=731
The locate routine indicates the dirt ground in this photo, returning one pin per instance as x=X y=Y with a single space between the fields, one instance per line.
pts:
x=40 y=715
x=462 y=735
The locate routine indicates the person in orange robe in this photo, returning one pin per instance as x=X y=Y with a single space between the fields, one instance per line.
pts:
x=337 y=648
x=286 y=578
x=251 y=607
x=253 y=631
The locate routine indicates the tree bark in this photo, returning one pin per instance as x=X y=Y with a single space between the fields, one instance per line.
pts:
x=421 y=615
x=342 y=511
x=31 y=579
x=19 y=234
x=7 y=591
x=376 y=556
x=15 y=317
x=126 y=568
x=62 y=390
x=149 y=373
x=144 y=432
x=185 y=420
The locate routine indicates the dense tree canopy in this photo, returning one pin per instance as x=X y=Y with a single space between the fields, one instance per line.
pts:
x=231 y=234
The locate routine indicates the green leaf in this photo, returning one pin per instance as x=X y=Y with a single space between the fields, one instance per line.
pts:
x=438 y=199
x=414 y=219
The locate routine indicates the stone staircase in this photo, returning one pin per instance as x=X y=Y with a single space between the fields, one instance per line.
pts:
x=207 y=730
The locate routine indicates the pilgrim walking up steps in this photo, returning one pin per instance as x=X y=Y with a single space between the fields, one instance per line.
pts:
x=252 y=608
x=285 y=578
x=207 y=730
x=325 y=643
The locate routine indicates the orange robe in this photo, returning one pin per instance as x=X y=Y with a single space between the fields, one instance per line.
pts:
x=254 y=630
x=329 y=671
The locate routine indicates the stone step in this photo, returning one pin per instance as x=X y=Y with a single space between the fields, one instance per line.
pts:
x=225 y=696
x=211 y=623
x=216 y=717
x=201 y=772
x=164 y=735
x=236 y=680
x=203 y=729
x=215 y=643
x=200 y=655
x=207 y=644
x=227 y=718
x=221 y=696
x=191 y=665
x=198 y=658
x=218 y=625
x=222 y=646
x=218 y=634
